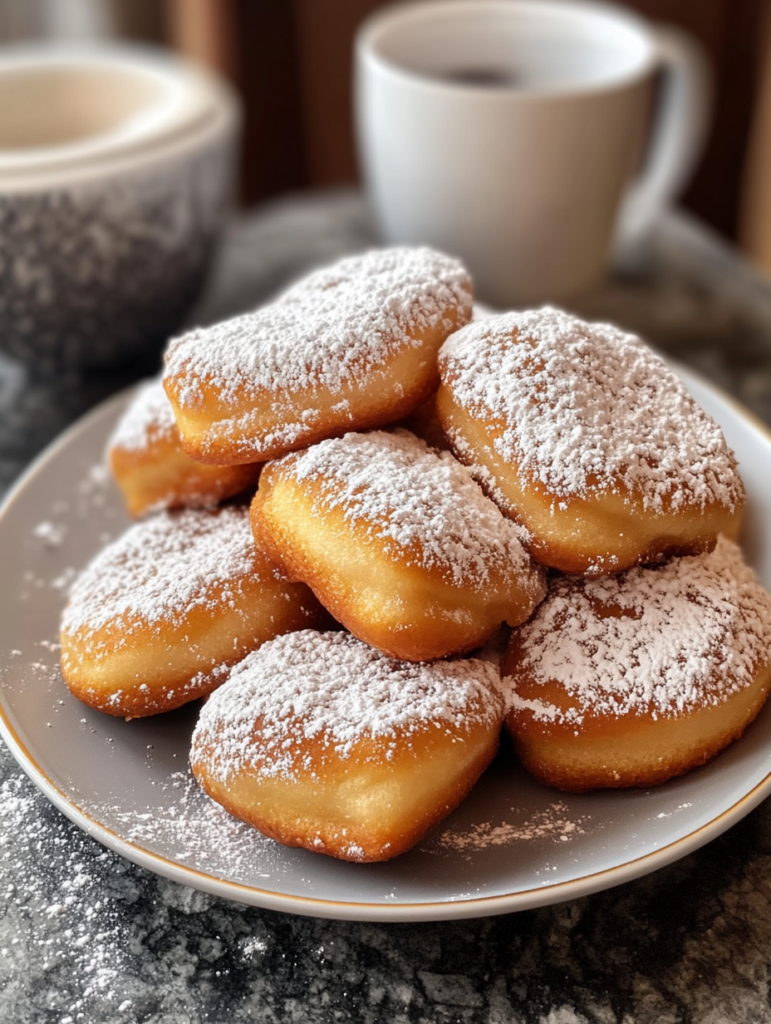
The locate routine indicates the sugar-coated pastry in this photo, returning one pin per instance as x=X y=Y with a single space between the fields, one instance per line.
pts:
x=585 y=436
x=150 y=467
x=324 y=743
x=157 y=617
x=349 y=347
x=397 y=541
x=630 y=680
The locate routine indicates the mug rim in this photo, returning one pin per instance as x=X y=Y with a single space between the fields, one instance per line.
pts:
x=368 y=41
x=190 y=100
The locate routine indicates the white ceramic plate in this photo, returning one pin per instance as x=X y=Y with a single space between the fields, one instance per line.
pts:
x=511 y=845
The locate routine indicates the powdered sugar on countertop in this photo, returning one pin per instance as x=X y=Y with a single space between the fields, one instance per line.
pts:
x=420 y=501
x=585 y=406
x=308 y=686
x=340 y=322
x=67 y=886
x=148 y=416
x=689 y=633
x=162 y=567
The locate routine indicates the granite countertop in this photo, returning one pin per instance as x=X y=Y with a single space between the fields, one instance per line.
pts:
x=87 y=936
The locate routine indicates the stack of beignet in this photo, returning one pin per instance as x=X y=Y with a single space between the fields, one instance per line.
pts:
x=572 y=449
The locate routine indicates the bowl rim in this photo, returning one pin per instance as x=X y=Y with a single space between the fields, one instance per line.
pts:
x=194 y=108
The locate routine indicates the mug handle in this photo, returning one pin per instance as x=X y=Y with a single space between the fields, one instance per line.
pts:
x=678 y=136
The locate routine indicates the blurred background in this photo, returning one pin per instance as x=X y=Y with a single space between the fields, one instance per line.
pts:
x=291 y=62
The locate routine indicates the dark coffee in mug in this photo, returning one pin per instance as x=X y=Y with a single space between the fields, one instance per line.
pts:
x=485 y=78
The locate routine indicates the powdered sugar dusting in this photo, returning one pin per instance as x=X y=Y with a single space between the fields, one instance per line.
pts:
x=193 y=829
x=67 y=885
x=585 y=407
x=52 y=534
x=161 y=568
x=553 y=822
x=421 y=502
x=327 y=691
x=336 y=325
x=148 y=417
x=684 y=635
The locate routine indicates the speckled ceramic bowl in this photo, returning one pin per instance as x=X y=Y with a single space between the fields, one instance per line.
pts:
x=116 y=172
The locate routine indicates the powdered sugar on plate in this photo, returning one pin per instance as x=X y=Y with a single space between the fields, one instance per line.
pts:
x=686 y=634
x=553 y=822
x=52 y=534
x=585 y=407
x=193 y=829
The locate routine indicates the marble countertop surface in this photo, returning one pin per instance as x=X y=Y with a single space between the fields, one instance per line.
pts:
x=86 y=936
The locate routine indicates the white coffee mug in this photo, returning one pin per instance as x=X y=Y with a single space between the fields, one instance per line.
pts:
x=507 y=132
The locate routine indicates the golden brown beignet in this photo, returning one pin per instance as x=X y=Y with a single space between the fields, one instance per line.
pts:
x=397 y=542
x=586 y=437
x=322 y=742
x=633 y=679
x=158 y=616
x=151 y=469
x=349 y=347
